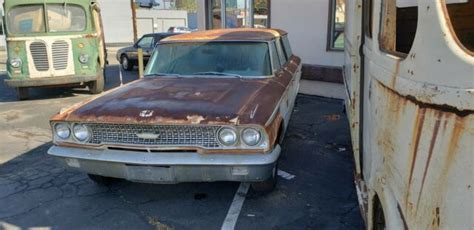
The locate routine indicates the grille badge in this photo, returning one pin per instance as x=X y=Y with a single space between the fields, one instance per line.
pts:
x=146 y=113
x=147 y=136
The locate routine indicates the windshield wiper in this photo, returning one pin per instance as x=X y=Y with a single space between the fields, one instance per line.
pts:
x=163 y=75
x=218 y=74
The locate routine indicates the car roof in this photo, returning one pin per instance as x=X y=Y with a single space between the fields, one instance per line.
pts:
x=159 y=34
x=240 y=34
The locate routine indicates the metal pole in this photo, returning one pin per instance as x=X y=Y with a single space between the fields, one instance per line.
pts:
x=251 y=12
x=140 y=63
x=134 y=20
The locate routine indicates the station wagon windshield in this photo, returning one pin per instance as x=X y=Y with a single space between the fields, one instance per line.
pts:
x=218 y=59
x=61 y=18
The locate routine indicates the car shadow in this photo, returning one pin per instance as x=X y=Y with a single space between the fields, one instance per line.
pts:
x=35 y=190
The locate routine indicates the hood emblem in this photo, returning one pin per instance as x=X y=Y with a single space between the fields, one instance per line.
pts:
x=146 y=113
x=148 y=136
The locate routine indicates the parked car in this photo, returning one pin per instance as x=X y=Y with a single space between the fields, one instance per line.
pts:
x=128 y=56
x=179 y=29
x=213 y=106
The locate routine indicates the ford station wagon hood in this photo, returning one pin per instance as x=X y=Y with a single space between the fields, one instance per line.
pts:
x=183 y=101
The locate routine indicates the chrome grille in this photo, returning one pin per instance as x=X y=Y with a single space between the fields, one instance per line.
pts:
x=40 y=56
x=168 y=135
x=60 y=55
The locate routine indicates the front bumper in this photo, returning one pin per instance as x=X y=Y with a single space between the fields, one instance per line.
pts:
x=49 y=81
x=169 y=167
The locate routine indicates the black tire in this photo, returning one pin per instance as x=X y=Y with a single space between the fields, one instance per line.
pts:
x=23 y=93
x=126 y=64
x=267 y=185
x=101 y=180
x=97 y=86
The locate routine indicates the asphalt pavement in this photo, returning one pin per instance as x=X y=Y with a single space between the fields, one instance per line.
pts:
x=315 y=188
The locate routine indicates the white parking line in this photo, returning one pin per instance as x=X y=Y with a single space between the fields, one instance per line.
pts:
x=234 y=210
x=285 y=175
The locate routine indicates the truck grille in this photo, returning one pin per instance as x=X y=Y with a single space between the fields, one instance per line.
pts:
x=60 y=55
x=39 y=53
x=166 y=135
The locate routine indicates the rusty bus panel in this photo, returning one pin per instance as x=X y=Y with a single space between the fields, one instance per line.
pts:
x=417 y=116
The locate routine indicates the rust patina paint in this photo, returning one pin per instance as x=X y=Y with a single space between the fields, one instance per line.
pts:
x=248 y=34
x=196 y=101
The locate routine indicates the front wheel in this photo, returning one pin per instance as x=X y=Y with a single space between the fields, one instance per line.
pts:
x=267 y=185
x=97 y=86
x=126 y=64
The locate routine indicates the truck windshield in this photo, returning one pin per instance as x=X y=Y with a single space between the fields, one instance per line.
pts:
x=219 y=59
x=26 y=19
x=61 y=18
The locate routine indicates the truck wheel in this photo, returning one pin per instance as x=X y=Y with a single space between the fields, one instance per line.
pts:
x=97 y=86
x=101 y=180
x=126 y=64
x=23 y=93
x=267 y=185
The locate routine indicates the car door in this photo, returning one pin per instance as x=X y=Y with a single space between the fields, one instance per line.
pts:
x=146 y=43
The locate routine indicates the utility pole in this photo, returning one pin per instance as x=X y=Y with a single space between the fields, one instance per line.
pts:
x=134 y=20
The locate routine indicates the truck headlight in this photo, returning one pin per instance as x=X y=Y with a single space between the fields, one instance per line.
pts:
x=62 y=130
x=251 y=137
x=227 y=136
x=81 y=132
x=15 y=62
x=83 y=58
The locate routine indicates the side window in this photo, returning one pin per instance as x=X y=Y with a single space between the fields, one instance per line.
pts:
x=398 y=26
x=146 y=42
x=275 y=59
x=368 y=14
x=287 y=47
x=281 y=53
x=461 y=17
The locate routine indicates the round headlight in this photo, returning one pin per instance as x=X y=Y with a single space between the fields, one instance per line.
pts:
x=227 y=136
x=84 y=58
x=251 y=137
x=81 y=132
x=62 y=130
x=16 y=62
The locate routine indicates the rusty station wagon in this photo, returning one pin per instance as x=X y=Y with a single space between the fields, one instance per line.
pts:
x=213 y=106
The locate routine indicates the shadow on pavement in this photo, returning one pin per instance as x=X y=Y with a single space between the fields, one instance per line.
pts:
x=112 y=81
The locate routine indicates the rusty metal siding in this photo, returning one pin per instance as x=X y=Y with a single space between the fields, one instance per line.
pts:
x=418 y=126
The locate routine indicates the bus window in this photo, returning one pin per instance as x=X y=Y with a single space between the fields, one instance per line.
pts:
x=368 y=14
x=461 y=16
x=399 y=23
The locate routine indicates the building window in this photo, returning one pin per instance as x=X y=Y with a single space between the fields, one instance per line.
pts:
x=260 y=14
x=215 y=14
x=238 y=14
x=336 y=25
x=398 y=26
